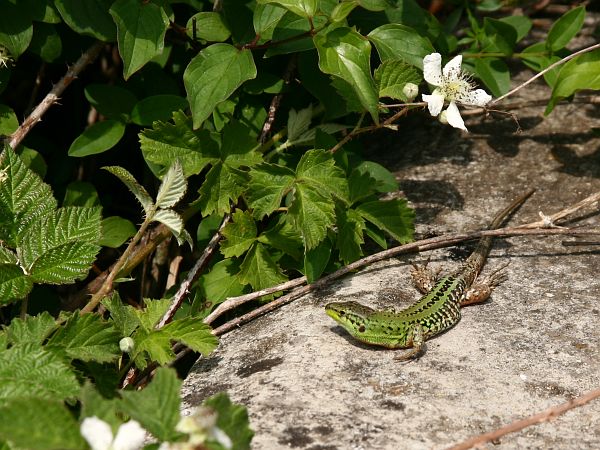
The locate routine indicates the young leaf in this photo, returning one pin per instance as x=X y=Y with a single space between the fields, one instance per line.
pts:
x=24 y=198
x=259 y=270
x=565 y=29
x=193 y=333
x=171 y=219
x=298 y=122
x=213 y=75
x=87 y=337
x=136 y=189
x=172 y=187
x=98 y=138
x=232 y=419
x=345 y=53
x=39 y=423
x=30 y=330
x=393 y=216
x=29 y=370
x=141 y=28
x=167 y=142
x=157 y=406
x=239 y=234
x=153 y=312
x=268 y=185
x=396 y=41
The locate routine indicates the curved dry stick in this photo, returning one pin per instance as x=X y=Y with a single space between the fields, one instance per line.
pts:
x=518 y=425
x=52 y=97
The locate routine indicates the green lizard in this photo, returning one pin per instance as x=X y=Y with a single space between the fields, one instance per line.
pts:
x=435 y=312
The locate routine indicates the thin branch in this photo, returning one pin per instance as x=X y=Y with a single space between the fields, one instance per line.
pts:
x=88 y=56
x=565 y=212
x=518 y=425
x=192 y=275
x=547 y=69
x=417 y=246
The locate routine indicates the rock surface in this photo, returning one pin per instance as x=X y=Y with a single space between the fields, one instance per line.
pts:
x=534 y=344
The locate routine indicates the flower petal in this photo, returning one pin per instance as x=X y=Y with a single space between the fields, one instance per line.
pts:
x=130 y=436
x=478 y=97
x=96 y=432
x=435 y=102
x=452 y=69
x=453 y=117
x=432 y=69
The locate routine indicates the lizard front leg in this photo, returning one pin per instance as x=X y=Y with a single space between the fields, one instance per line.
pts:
x=480 y=291
x=416 y=340
x=423 y=278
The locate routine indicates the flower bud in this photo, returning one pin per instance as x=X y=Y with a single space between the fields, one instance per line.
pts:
x=442 y=117
x=127 y=345
x=411 y=91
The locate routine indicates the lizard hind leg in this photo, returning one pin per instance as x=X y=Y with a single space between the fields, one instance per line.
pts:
x=480 y=291
x=417 y=340
x=424 y=278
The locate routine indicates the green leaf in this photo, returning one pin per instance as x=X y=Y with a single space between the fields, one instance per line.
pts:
x=14 y=284
x=46 y=42
x=223 y=184
x=209 y=27
x=316 y=259
x=153 y=312
x=351 y=227
x=98 y=138
x=157 y=406
x=565 y=29
x=317 y=169
x=239 y=234
x=124 y=317
x=171 y=219
x=193 y=333
x=499 y=36
x=290 y=30
x=345 y=53
x=167 y=142
x=298 y=122
x=136 y=189
x=396 y=41
x=30 y=330
x=259 y=270
x=494 y=73
x=90 y=18
x=172 y=188
x=381 y=179
x=16 y=29
x=283 y=237
x=232 y=419
x=221 y=282
x=392 y=216
x=311 y=214
x=29 y=370
x=213 y=75
x=115 y=231
x=582 y=72
x=239 y=145
x=535 y=57
x=81 y=193
x=24 y=198
x=8 y=121
x=391 y=77
x=303 y=8
x=94 y=404
x=157 y=107
x=61 y=247
x=38 y=423
x=87 y=337
x=522 y=25
x=114 y=102
x=34 y=160
x=342 y=10
x=269 y=183
x=141 y=28
x=265 y=19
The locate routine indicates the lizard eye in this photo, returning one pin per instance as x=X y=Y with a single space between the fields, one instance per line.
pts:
x=342 y=313
x=361 y=329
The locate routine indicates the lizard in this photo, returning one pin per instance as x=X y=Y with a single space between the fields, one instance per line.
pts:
x=436 y=311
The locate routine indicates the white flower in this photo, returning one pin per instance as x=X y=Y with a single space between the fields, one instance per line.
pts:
x=99 y=435
x=453 y=86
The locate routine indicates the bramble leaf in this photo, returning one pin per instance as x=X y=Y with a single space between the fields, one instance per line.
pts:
x=317 y=169
x=392 y=216
x=351 y=227
x=311 y=214
x=259 y=270
x=391 y=77
x=396 y=41
x=223 y=184
x=136 y=188
x=31 y=329
x=239 y=234
x=269 y=183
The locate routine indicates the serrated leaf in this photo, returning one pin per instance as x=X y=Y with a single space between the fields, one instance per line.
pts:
x=30 y=330
x=303 y=8
x=311 y=214
x=167 y=142
x=156 y=407
x=283 y=237
x=155 y=309
x=154 y=345
x=391 y=77
x=392 y=216
x=24 y=198
x=141 y=28
x=172 y=188
x=213 y=75
x=14 y=283
x=316 y=259
x=7 y=256
x=169 y=218
x=193 y=333
x=298 y=122
x=317 y=169
x=223 y=184
x=269 y=183
x=232 y=420
x=90 y=18
x=218 y=284
x=87 y=337
x=565 y=28
x=368 y=178
x=345 y=53
x=94 y=404
x=396 y=41
x=29 y=370
x=239 y=145
x=239 y=234
x=136 y=189
x=259 y=270
x=61 y=247
x=39 y=423
x=124 y=317
x=350 y=229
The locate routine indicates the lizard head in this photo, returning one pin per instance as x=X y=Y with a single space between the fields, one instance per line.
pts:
x=350 y=315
